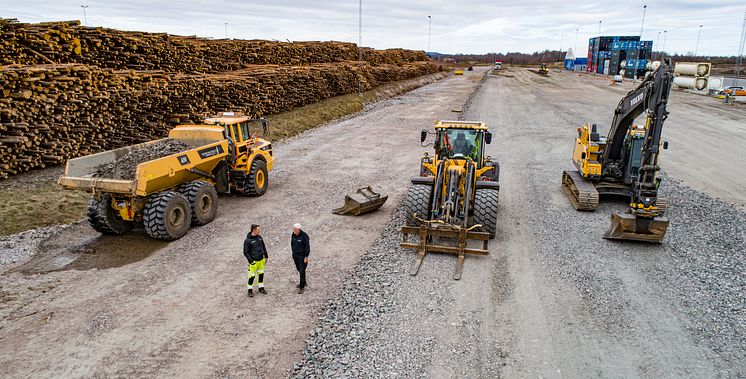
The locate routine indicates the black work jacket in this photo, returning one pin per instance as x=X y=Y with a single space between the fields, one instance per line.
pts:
x=254 y=248
x=300 y=244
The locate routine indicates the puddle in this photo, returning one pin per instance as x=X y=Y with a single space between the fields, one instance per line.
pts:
x=81 y=248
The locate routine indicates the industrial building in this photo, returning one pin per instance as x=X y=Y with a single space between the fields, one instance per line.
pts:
x=619 y=55
x=574 y=63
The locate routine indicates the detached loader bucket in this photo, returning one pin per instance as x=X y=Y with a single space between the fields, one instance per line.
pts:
x=627 y=226
x=363 y=200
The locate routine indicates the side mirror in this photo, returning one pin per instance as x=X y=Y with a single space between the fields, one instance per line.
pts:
x=582 y=155
x=665 y=145
x=487 y=138
x=423 y=135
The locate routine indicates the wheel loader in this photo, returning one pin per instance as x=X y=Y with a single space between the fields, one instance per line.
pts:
x=626 y=161
x=454 y=199
x=169 y=194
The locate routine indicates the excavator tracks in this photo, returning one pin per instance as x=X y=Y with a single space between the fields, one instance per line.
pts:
x=581 y=192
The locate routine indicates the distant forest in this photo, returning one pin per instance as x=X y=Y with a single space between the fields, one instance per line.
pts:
x=547 y=56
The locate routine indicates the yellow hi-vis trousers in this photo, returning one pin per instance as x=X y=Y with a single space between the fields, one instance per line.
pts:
x=256 y=268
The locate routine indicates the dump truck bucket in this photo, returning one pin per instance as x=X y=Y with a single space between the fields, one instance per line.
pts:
x=443 y=238
x=363 y=200
x=627 y=226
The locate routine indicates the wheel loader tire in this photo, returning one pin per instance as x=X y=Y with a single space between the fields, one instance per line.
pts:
x=257 y=181
x=485 y=209
x=167 y=215
x=105 y=219
x=203 y=201
x=418 y=201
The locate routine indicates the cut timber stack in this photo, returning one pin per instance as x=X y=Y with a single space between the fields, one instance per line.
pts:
x=69 y=90
x=68 y=42
x=49 y=113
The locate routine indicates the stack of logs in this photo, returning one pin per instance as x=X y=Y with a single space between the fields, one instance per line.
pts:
x=50 y=113
x=68 y=42
x=69 y=90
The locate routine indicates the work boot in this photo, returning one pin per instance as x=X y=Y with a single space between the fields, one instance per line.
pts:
x=300 y=290
x=262 y=290
x=251 y=293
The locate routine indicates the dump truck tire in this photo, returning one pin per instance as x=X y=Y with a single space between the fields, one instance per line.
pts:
x=485 y=209
x=167 y=215
x=203 y=201
x=257 y=181
x=418 y=201
x=105 y=219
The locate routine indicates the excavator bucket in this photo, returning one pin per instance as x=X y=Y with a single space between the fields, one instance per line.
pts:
x=627 y=226
x=362 y=201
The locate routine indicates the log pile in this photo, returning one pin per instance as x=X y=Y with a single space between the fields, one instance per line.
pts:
x=69 y=42
x=68 y=90
x=50 y=113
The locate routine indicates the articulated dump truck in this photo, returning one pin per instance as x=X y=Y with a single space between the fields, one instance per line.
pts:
x=170 y=193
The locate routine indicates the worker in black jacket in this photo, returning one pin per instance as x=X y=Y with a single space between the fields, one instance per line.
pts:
x=301 y=247
x=256 y=253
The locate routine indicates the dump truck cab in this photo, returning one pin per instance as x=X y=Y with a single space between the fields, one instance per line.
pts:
x=251 y=154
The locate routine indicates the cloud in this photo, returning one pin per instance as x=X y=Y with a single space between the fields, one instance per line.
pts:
x=457 y=26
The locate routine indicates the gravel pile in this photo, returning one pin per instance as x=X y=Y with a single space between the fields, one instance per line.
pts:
x=125 y=167
x=17 y=248
x=699 y=271
x=356 y=336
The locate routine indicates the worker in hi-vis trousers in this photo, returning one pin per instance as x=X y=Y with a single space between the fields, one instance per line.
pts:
x=256 y=253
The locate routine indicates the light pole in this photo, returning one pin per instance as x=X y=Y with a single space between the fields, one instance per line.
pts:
x=665 y=35
x=576 y=39
x=657 y=44
x=429 y=23
x=739 y=59
x=639 y=45
x=599 y=28
x=696 y=47
x=85 y=17
x=359 y=45
x=226 y=30
x=562 y=42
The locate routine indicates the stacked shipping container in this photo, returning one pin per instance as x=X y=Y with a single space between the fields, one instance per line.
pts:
x=607 y=55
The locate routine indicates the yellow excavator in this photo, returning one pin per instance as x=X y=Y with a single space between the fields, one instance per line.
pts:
x=626 y=161
x=454 y=199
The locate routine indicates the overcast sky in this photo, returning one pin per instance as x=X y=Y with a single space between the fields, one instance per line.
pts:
x=457 y=26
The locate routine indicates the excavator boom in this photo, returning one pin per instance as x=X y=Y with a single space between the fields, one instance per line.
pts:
x=644 y=221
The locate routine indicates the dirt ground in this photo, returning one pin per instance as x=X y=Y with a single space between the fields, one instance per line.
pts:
x=539 y=305
x=180 y=308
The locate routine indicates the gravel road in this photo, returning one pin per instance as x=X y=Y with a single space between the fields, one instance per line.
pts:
x=553 y=299
x=87 y=305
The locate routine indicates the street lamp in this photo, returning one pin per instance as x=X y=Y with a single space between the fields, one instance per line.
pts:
x=359 y=46
x=665 y=35
x=657 y=43
x=226 y=30
x=85 y=17
x=429 y=23
x=599 y=28
x=576 y=39
x=639 y=45
x=696 y=47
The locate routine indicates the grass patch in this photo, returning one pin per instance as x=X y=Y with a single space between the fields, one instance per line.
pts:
x=22 y=209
